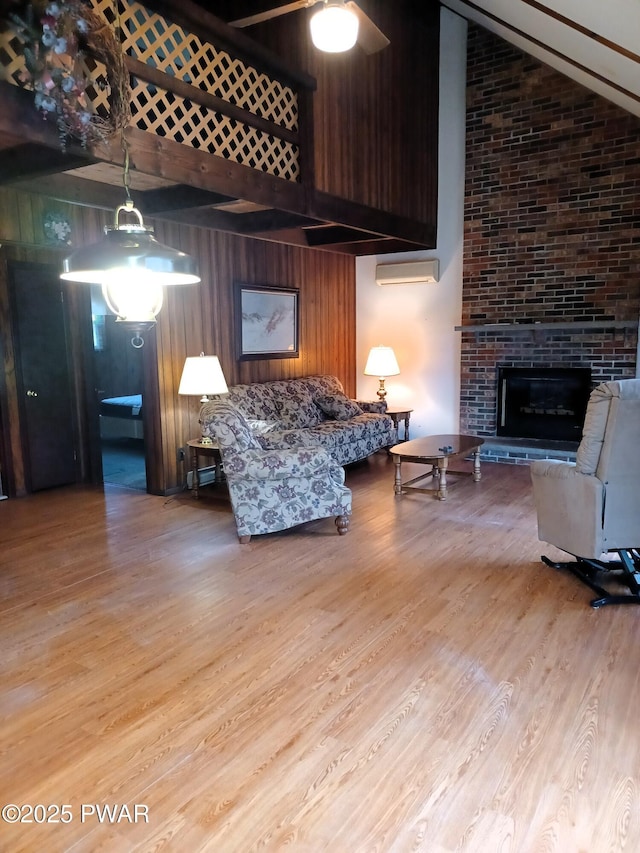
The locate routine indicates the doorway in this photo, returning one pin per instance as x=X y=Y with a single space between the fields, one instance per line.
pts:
x=119 y=381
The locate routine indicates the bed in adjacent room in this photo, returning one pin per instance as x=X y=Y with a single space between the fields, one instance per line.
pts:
x=121 y=417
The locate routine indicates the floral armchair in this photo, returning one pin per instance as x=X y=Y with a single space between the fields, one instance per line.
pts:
x=276 y=488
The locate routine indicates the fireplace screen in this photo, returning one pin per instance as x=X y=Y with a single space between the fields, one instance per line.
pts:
x=542 y=403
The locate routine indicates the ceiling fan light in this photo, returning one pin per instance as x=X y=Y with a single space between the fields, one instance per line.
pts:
x=334 y=28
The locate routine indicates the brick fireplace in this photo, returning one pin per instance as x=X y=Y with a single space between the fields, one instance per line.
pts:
x=552 y=231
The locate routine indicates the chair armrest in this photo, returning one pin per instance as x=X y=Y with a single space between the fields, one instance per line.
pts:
x=569 y=506
x=288 y=439
x=278 y=464
x=377 y=407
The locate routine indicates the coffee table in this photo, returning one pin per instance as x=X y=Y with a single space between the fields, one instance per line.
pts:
x=435 y=450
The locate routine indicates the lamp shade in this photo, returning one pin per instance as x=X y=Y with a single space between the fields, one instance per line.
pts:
x=334 y=28
x=202 y=375
x=381 y=362
x=131 y=253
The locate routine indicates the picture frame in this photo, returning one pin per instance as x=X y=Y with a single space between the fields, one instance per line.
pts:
x=267 y=322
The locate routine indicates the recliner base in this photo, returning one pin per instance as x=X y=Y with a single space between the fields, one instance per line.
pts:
x=626 y=571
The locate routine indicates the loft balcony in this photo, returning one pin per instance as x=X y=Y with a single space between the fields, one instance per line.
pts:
x=220 y=136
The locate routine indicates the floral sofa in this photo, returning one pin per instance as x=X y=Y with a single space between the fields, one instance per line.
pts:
x=309 y=412
x=273 y=489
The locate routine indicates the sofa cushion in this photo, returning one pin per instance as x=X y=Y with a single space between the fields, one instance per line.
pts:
x=256 y=401
x=338 y=407
x=298 y=411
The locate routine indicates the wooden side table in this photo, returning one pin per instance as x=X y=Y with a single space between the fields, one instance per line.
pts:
x=211 y=451
x=398 y=415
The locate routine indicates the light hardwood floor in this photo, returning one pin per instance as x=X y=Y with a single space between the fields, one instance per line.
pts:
x=421 y=684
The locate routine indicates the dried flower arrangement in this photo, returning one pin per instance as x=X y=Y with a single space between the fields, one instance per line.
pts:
x=58 y=37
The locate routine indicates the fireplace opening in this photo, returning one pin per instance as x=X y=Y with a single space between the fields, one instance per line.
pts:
x=542 y=402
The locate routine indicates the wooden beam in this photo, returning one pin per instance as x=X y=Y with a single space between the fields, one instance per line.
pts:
x=271 y=220
x=169 y=200
x=332 y=209
x=331 y=234
x=180 y=164
x=379 y=246
x=36 y=161
x=78 y=191
x=19 y=118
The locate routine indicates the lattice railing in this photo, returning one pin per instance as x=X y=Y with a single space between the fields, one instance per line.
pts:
x=152 y=39
x=171 y=117
x=159 y=44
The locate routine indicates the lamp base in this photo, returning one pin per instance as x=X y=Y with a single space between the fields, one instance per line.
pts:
x=382 y=391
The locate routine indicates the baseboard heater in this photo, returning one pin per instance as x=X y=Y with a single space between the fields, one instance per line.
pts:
x=205 y=476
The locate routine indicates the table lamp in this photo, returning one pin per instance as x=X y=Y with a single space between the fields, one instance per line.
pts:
x=202 y=376
x=382 y=362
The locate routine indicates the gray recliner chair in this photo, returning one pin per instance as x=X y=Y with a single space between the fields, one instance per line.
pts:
x=591 y=508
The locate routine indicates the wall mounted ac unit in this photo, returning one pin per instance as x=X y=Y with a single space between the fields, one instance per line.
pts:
x=409 y=272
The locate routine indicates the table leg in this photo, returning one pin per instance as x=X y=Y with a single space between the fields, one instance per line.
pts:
x=406 y=428
x=442 y=479
x=477 y=474
x=194 y=472
x=397 y=487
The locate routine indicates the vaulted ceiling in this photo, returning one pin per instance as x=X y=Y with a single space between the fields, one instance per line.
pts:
x=595 y=43
x=587 y=40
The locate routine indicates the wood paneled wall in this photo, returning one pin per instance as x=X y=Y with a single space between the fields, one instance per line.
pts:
x=199 y=318
x=375 y=116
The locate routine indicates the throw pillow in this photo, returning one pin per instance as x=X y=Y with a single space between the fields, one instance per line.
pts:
x=298 y=411
x=338 y=407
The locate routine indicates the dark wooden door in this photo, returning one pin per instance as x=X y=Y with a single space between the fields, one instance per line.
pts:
x=43 y=380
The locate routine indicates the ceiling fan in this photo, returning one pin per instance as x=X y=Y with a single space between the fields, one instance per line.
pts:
x=335 y=27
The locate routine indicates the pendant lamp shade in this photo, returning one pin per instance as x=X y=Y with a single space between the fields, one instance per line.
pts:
x=129 y=251
x=334 y=28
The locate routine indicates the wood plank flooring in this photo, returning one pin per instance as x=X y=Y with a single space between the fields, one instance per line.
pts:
x=421 y=684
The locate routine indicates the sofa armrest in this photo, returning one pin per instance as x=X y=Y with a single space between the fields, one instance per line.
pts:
x=377 y=407
x=278 y=464
x=569 y=506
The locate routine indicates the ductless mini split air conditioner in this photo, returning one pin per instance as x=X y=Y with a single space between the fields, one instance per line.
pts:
x=410 y=272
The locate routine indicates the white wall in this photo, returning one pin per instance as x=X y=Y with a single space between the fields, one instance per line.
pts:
x=417 y=320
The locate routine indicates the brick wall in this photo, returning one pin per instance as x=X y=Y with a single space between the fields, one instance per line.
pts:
x=552 y=227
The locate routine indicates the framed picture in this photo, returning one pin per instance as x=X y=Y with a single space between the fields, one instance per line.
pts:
x=266 y=322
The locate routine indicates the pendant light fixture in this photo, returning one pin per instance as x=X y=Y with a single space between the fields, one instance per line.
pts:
x=131 y=265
